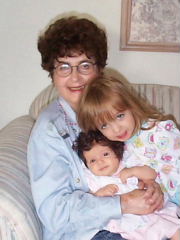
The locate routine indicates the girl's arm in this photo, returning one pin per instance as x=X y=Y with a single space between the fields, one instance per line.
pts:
x=141 y=172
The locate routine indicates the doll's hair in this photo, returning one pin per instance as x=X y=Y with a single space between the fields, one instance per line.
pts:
x=106 y=94
x=85 y=142
x=70 y=35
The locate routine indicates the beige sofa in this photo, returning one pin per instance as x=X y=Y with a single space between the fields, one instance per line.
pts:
x=18 y=219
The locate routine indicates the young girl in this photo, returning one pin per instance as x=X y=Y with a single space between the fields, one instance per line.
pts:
x=151 y=138
x=105 y=176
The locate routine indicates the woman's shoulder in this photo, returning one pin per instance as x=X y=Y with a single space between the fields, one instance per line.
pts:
x=49 y=111
x=48 y=116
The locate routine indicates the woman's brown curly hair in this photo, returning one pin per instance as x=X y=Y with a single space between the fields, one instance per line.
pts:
x=86 y=141
x=72 y=34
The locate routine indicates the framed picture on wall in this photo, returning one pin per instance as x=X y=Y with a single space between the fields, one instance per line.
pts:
x=150 y=25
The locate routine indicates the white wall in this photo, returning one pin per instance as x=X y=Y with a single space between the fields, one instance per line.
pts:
x=21 y=77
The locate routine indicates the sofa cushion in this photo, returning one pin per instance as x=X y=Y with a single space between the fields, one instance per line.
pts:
x=42 y=100
x=166 y=98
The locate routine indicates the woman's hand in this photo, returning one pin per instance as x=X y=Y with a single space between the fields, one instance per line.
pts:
x=144 y=201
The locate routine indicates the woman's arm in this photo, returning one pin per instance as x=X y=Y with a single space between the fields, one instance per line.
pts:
x=60 y=191
x=58 y=186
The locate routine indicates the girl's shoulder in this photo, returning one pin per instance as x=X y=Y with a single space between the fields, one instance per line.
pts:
x=154 y=124
x=163 y=129
x=164 y=134
x=166 y=128
x=167 y=125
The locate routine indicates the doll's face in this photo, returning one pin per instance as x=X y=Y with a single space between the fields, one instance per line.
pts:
x=101 y=160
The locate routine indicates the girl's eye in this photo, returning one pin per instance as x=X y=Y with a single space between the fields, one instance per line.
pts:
x=103 y=126
x=120 y=115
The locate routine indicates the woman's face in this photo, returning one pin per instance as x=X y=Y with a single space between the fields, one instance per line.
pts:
x=71 y=87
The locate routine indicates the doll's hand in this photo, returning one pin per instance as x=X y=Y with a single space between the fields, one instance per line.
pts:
x=107 y=191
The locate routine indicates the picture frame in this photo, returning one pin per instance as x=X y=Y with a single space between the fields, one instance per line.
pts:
x=150 y=25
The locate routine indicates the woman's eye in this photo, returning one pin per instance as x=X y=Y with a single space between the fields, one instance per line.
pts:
x=85 y=65
x=63 y=67
x=120 y=115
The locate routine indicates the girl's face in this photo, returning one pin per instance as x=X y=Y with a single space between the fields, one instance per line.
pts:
x=101 y=160
x=121 y=128
x=71 y=87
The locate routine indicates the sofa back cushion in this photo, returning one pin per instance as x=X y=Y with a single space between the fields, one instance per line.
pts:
x=166 y=98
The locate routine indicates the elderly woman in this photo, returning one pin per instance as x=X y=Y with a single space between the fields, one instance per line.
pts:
x=74 y=51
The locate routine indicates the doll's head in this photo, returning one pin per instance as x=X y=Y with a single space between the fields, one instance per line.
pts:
x=99 y=154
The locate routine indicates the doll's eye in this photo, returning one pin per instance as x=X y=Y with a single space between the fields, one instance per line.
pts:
x=106 y=154
x=92 y=161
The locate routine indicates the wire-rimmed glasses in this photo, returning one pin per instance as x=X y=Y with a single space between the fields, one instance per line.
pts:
x=64 y=69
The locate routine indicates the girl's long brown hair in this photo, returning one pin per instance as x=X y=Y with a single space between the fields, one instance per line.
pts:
x=105 y=94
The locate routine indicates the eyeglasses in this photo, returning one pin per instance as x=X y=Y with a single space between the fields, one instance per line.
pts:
x=64 y=69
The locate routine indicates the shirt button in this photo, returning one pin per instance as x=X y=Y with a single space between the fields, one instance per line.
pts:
x=78 y=180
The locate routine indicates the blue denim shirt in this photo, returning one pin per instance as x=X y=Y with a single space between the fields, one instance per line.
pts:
x=64 y=205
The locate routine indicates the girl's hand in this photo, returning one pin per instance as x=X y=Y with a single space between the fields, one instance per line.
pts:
x=125 y=173
x=154 y=195
x=141 y=184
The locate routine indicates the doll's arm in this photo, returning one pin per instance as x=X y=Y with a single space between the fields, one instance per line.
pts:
x=141 y=172
x=107 y=191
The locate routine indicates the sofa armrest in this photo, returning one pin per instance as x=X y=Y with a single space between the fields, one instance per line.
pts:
x=18 y=218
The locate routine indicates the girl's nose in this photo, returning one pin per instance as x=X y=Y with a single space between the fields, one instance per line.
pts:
x=115 y=127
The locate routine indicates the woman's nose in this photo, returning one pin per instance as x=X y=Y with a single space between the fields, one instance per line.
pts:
x=74 y=74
